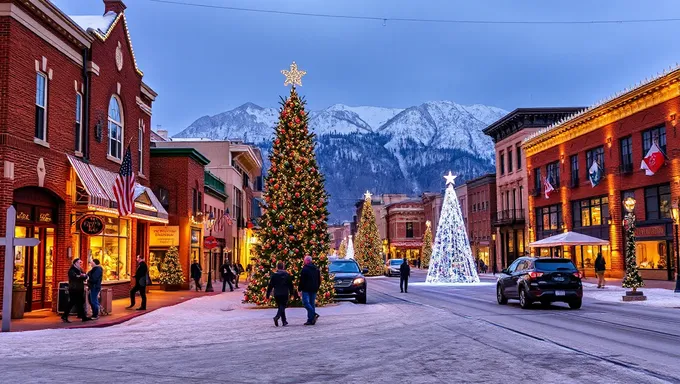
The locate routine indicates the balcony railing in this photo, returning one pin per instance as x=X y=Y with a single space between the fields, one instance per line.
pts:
x=508 y=217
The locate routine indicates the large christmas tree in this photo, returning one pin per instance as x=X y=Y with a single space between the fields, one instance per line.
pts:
x=368 y=250
x=171 y=269
x=452 y=260
x=427 y=244
x=295 y=221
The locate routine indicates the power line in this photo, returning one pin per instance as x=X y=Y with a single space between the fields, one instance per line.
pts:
x=418 y=20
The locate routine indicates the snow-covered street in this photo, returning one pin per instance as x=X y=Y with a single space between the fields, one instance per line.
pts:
x=430 y=335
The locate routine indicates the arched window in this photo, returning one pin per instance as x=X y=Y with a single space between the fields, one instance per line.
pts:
x=115 y=128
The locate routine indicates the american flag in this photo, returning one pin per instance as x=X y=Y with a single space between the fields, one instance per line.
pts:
x=124 y=189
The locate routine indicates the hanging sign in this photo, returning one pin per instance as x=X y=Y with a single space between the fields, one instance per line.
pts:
x=210 y=242
x=92 y=225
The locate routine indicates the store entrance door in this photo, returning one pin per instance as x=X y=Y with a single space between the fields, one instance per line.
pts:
x=33 y=266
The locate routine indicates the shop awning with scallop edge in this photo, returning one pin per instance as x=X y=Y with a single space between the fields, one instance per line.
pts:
x=94 y=188
x=567 y=239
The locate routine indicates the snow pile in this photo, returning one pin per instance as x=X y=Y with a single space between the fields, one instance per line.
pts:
x=656 y=297
x=97 y=23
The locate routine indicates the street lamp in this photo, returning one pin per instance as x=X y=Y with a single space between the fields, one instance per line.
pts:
x=211 y=224
x=629 y=204
x=493 y=249
x=675 y=211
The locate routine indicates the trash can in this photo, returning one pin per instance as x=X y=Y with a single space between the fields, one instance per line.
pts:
x=106 y=301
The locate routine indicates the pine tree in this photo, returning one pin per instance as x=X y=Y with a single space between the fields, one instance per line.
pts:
x=632 y=279
x=452 y=260
x=427 y=245
x=295 y=222
x=171 y=269
x=368 y=252
x=343 y=249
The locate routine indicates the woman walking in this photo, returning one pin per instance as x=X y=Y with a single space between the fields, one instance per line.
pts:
x=600 y=266
x=282 y=284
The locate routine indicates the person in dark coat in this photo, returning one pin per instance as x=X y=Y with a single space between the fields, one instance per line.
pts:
x=196 y=273
x=310 y=281
x=141 y=281
x=404 y=273
x=600 y=267
x=227 y=276
x=94 y=284
x=282 y=284
x=238 y=270
x=76 y=291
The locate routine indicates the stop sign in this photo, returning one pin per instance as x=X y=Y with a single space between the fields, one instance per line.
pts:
x=210 y=242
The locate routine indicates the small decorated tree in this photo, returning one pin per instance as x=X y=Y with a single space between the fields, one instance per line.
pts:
x=343 y=249
x=632 y=279
x=427 y=244
x=368 y=250
x=171 y=269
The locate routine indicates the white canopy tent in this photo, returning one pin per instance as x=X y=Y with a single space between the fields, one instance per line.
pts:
x=567 y=239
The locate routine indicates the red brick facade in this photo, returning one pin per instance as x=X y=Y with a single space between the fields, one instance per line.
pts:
x=49 y=43
x=628 y=117
x=481 y=197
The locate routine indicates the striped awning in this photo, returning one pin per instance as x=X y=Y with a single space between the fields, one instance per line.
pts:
x=98 y=183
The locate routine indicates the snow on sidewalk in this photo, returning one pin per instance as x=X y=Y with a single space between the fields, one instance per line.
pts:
x=656 y=297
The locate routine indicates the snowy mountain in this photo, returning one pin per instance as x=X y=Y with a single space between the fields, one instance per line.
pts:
x=397 y=150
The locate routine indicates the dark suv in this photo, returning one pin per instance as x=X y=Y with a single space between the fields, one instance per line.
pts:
x=348 y=279
x=542 y=280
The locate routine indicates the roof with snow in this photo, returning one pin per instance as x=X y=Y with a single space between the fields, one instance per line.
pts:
x=629 y=97
x=99 y=24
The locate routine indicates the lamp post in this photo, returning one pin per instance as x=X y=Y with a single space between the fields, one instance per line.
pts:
x=211 y=224
x=675 y=211
x=632 y=279
x=493 y=249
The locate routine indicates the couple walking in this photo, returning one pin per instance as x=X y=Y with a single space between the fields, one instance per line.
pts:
x=282 y=284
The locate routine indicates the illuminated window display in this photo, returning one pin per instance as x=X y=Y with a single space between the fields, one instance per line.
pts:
x=111 y=248
x=652 y=254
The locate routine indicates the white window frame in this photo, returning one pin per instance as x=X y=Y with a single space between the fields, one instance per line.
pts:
x=121 y=126
x=79 y=122
x=140 y=147
x=44 y=106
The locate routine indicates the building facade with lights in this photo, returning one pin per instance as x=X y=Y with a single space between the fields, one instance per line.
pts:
x=481 y=204
x=509 y=240
x=593 y=161
x=74 y=100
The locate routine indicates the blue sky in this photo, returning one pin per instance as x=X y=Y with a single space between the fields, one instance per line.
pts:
x=205 y=61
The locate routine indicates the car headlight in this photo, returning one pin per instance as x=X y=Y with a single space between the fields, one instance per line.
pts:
x=358 y=281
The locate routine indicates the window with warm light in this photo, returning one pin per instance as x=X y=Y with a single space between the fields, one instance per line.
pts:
x=590 y=212
x=652 y=254
x=658 y=202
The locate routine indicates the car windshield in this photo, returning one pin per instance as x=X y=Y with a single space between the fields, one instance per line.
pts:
x=551 y=265
x=396 y=261
x=343 y=267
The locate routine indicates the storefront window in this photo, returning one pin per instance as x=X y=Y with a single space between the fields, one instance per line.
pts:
x=651 y=254
x=591 y=212
x=586 y=255
x=111 y=248
x=156 y=257
x=520 y=242
x=20 y=257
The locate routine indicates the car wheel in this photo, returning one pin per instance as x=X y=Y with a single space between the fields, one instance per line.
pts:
x=524 y=301
x=502 y=300
x=361 y=299
x=575 y=304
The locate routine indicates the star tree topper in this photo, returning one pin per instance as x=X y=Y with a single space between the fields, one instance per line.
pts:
x=293 y=76
x=367 y=195
x=450 y=179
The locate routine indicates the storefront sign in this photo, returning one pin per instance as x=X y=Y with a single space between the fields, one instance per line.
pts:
x=163 y=236
x=45 y=215
x=24 y=213
x=92 y=225
x=210 y=242
x=655 y=231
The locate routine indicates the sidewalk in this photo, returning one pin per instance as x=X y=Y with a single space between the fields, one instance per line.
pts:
x=46 y=319
x=663 y=284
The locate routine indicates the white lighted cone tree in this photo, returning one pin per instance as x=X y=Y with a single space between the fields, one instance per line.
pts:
x=349 y=254
x=452 y=260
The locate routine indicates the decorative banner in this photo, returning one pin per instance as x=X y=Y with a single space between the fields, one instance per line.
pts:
x=653 y=161
x=595 y=174
x=92 y=225
x=163 y=236
x=548 y=187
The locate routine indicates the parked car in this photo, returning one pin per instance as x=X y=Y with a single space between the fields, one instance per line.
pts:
x=530 y=280
x=392 y=267
x=348 y=279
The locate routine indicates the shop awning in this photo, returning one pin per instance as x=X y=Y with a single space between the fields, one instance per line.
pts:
x=567 y=239
x=97 y=184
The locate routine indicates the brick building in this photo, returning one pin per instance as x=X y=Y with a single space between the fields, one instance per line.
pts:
x=73 y=98
x=178 y=176
x=481 y=197
x=405 y=228
x=611 y=138
x=512 y=188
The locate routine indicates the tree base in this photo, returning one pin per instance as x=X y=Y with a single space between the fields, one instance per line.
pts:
x=634 y=296
x=170 y=287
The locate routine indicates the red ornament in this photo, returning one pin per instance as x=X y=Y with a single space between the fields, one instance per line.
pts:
x=302 y=113
x=297 y=120
x=297 y=194
x=280 y=217
x=304 y=213
x=277 y=141
x=313 y=226
x=280 y=246
x=327 y=295
x=291 y=237
x=276 y=186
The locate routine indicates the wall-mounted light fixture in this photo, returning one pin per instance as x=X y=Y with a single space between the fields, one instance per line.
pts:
x=562 y=158
x=609 y=142
x=673 y=119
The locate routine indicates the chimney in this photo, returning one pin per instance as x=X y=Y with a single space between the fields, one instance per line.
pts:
x=115 y=6
x=163 y=133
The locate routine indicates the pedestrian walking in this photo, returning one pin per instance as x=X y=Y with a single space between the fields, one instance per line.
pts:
x=310 y=281
x=94 y=284
x=282 y=285
x=76 y=291
x=238 y=269
x=404 y=273
x=196 y=273
x=141 y=281
x=600 y=266
x=227 y=276
x=495 y=269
